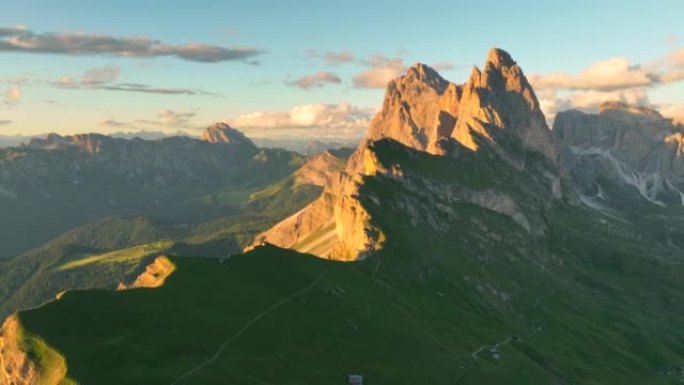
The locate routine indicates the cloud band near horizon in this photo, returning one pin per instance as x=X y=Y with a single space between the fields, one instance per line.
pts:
x=19 y=39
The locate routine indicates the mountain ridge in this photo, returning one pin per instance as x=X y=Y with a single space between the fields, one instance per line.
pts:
x=496 y=109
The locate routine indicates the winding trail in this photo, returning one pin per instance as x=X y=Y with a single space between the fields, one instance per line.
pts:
x=249 y=324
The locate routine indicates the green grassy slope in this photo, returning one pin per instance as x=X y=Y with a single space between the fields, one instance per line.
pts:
x=103 y=253
x=592 y=301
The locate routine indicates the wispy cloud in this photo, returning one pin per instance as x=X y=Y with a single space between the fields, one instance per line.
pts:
x=172 y=119
x=443 y=66
x=103 y=78
x=382 y=70
x=102 y=75
x=5 y=122
x=331 y=57
x=20 y=39
x=143 y=88
x=113 y=123
x=13 y=95
x=318 y=79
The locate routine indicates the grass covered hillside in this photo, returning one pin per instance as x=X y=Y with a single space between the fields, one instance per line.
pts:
x=479 y=299
x=104 y=252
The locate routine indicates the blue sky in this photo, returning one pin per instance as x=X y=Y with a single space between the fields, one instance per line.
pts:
x=293 y=90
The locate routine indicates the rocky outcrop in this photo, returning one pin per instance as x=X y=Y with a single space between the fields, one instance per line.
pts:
x=222 y=133
x=15 y=366
x=18 y=364
x=154 y=275
x=424 y=112
x=629 y=145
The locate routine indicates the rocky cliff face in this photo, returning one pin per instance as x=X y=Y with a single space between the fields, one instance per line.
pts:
x=496 y=107
x=419 y=110
x=628 y=145
x=154 y=275
x=498 y=102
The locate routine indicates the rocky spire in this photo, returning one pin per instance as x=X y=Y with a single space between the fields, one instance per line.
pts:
x=499 y=98
x=419 y=109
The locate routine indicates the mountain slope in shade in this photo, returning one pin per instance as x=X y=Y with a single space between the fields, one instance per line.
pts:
x=627 y=145
x=496 y=111
x=100 y=254
x=56 y=183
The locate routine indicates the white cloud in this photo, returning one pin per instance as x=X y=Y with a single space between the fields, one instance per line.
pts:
x=606 y=75
x=382 y=70
x=330 y=57
x=342 y=119
x=13 y=95
x=615 y=79
x=673 y=111
x=551 y=102
x=316 y=80
x=593 y=99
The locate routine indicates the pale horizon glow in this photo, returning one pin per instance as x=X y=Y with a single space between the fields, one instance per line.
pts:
x=279 y=72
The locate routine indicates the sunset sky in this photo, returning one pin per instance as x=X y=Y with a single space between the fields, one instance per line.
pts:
x=313 y=68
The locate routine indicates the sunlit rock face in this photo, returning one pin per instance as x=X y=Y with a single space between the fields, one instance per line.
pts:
x=499 y=99
x=420 y=109
x=629 y=145
x=155 y=274
x=496 y=107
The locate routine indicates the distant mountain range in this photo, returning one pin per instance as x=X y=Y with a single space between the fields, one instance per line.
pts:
x=68 y=200
x=481 y=248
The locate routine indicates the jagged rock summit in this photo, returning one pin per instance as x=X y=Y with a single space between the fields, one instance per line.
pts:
x=496 y=109
x=419 y=110
x=498 y=102
x=422 y=110
x=224 y=134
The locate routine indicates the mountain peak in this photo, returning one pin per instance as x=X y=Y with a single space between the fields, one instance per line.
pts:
x=500 y=98
x=500 y=58
x=426 y=74
x=223 y=133
x=419 y=109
